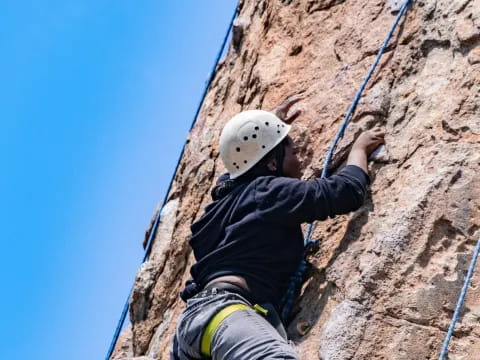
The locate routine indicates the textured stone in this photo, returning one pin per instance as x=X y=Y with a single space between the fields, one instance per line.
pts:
x=124 y=348
x=474 y=55
x=467 y=31
x=163 y=236
x=343 y=331
x=146 y=280
x=385 y=279
x=240 y=25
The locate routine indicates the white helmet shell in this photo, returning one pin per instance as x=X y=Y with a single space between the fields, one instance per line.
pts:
x=248 y=137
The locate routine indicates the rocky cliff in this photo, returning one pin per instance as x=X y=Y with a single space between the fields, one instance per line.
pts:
x=386 y=278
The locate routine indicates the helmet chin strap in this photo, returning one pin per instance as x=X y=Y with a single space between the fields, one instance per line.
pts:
x=279 y=156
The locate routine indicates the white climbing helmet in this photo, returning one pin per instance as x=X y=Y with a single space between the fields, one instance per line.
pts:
x=248 y=137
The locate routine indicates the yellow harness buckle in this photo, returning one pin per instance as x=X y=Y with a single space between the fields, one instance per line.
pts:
x=212 y=326
x=262 y=311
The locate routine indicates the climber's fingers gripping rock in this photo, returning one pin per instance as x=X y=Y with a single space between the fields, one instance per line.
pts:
x=370 y=140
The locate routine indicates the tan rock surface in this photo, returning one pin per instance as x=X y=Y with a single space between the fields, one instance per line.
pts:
x=386 y=278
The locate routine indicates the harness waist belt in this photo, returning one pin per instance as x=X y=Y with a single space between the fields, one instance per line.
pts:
x=223 y=285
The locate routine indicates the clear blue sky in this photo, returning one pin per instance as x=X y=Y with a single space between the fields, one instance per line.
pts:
x=96 y=99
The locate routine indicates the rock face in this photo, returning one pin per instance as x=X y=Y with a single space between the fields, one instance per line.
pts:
x=386 y=278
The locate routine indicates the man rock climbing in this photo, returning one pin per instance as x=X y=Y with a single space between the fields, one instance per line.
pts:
x=249 y=241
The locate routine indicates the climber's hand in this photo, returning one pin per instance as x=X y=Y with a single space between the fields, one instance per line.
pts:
x=365 y=144
x=282 y=110
x=369 y=140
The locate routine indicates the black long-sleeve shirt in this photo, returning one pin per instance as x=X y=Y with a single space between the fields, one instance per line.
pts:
x=255 y=230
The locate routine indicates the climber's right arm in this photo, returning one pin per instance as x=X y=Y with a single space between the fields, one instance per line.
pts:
x=296 y=201
x=293 y=201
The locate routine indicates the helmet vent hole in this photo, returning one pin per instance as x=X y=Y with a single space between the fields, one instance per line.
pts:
x=238 y=167
x=283 y=125
x=263 y=146
x=234 y=164
x=278 y=131
x=245 y=138
x=254 y=136
x=267 y=123
x=257 y=128
x=245 y=161
x=238 y=149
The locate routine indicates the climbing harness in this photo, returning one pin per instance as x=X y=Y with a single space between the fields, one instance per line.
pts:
x=212 y=326
x=148 y=249
x=299 y=276
x=458 y=308
x=219 y=288
x=214 y=323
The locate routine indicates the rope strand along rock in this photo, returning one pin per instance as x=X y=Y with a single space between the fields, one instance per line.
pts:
x=149 y=244
x=299 y=276
x=460 y=301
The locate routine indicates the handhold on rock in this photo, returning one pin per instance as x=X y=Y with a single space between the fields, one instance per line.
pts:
x=296 y=49
x=379 y=155
x=239 y=26
x=474 y=56
x=303 y=328
x=395 y=5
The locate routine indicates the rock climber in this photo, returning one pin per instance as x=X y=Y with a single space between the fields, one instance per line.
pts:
x=249 y=240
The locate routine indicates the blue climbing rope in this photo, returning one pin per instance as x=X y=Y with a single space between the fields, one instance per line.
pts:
x=148 y=248
x=356 y=100
x=460 y=301
x=296 y=282
x=350 y=111
x=297 y=279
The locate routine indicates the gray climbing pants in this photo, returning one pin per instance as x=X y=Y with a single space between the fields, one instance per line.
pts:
x=243 y=335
